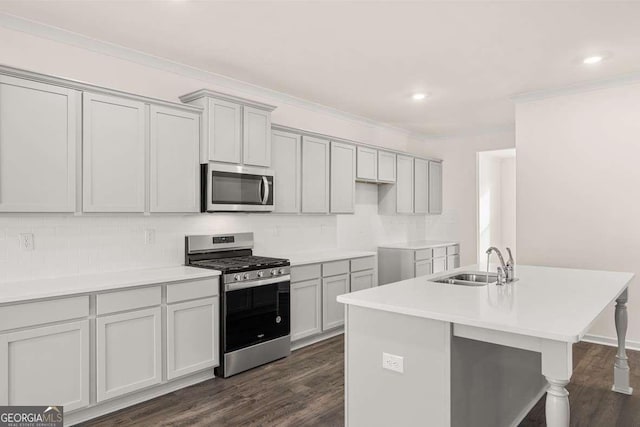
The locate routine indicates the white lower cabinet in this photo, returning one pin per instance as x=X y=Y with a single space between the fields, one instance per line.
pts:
x=306 y=309
x=439 y=265
x=128 y=352
x=192 y=336
x=423 y=268
x=332 y=310
x=46 y=365
x=363 y=280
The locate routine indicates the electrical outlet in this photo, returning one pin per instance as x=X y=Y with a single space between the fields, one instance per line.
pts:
x=150 y=236
x=393 y=362
x=26 y=241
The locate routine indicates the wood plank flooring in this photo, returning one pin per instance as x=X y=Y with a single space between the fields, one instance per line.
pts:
x=307 y=389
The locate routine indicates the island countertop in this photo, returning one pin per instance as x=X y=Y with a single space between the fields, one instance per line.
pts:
x=545 y=302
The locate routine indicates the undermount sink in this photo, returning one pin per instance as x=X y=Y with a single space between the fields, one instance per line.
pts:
x=473 y=278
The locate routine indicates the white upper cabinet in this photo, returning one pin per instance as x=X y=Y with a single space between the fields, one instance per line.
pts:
x=367 y=169
x=435 y=187
x=285 y=162
x=256 y=137
x=404 y=184
x=174 y=165
x=386 y=167
x=421 y=186
x=114 y=141
x=235 y=130
x=315 y=175
x=343 y=177
x=39 y=133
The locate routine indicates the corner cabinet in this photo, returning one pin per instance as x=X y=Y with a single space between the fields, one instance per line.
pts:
x=174 y=183
x=39 y=137
x=343 y=177
x=315 y=175
x=113 y=140
x=286 y=163
x=236 y=130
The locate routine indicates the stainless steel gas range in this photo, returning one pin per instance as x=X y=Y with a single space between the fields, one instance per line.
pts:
x=254 y=302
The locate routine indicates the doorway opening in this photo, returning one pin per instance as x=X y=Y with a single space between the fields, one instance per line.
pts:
x=496 y=202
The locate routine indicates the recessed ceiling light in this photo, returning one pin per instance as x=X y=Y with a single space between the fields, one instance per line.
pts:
x=419 y=96
x=592 y=59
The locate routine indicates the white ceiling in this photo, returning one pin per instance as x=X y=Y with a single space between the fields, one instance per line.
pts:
x=367 y=58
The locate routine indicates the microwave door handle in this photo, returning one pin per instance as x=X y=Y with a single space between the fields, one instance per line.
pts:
x=265 y=184
x=260 y=190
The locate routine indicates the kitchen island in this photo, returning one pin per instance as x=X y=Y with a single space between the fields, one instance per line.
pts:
x=420 y=352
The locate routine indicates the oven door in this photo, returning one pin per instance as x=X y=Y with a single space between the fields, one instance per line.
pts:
x=238 y=188
x=256 y=312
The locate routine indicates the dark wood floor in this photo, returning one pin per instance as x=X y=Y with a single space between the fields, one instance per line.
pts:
x=306 y=389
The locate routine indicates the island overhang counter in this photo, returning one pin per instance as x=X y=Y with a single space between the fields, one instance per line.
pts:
x=474 y=355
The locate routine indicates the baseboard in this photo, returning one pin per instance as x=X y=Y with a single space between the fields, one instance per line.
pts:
x=611 y=342
x=104 y=408
x=525 y=411
x=297 y=345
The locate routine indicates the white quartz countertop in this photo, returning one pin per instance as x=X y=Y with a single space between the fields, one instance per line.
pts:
x=419 y=244
x=546 y=302
x=69 y=285
x=313 y=257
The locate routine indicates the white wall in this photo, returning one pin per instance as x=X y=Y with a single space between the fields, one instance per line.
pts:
x=576 y=179
x=459 y=218
x=508 y=203
x=489 y=203
x=90 y=243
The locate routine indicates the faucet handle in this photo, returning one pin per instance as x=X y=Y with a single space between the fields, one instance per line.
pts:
x=511 y=261
x=502 y=276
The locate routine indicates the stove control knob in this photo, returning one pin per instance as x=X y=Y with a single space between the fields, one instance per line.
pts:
x=282 y=271
x=274 y=272
x=246 y=276
x=236 y=277
x=260 y=273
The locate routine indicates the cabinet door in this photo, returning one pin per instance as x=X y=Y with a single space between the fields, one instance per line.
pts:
x=367 y=164
x=435 y=187
x=343 y=178
x=39 y=127
x=421 y=186
x=285 y=161
x=192 y=336
x=306 y=309
x=113 y=141
x=46 y=366
x=363 y=280
x=423 y=268
x=128 y=352
x=386 y=167
x=332 y=310
x=439 y=265
x=174 y=160
x=256 y=137
x=404 y=184
x=224 y=131
x=453 y=261
x=315 y=175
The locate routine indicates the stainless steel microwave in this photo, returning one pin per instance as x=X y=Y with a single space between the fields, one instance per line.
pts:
x=231 y=188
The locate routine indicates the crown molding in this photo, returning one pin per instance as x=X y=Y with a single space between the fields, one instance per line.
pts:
x=60 y=35
x=619 y=80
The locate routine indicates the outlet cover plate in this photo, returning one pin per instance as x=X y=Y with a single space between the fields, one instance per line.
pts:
x=393 y=362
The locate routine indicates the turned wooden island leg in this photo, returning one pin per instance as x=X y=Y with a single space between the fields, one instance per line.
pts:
x=621 y=365
x=557 y=367
x=557 y=406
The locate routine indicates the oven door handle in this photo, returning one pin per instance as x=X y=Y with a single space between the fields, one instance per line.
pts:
x=265 y=185
x=255 y=283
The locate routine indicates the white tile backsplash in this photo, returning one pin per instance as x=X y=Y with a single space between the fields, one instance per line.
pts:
x=68 y=244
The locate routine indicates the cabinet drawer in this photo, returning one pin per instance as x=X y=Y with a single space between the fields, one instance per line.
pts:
x=113 y=302
x=37 y=313
x=438 y=252
x=359 y=264
x=334 y=268
x=424 y=254
x=192 y=290
x=305 y=272
x=452 y=250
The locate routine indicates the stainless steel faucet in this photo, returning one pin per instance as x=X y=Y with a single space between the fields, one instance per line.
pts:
x=506 y=270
